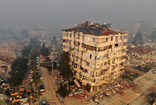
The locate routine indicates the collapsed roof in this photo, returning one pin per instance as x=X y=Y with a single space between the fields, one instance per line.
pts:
x=93 y=28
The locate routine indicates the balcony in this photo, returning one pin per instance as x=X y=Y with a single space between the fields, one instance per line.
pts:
x=65 y=37
x=64 y=43
x=124 y=47
x=77 y=39
x=102 y=44
x=125 y=40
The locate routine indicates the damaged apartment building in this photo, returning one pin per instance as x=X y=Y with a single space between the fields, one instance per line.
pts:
x=96 y=52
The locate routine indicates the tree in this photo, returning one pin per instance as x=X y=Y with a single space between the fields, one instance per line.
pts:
x=19 y=68
x=44 y=51
x=26 y=51
x=64 y=67
x=36 y=78
x=47 y=59
x=62 y=91
x=55 y=65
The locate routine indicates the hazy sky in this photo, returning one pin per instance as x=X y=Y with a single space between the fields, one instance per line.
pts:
x=60 y=13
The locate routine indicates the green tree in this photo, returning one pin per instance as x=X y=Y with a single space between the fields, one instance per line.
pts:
x=62 y=91
x=36 y=79
x=44 y=51
x=64 y=67
x=26 y=51
x=48 y=59
x=19 y=68
x=55 y=65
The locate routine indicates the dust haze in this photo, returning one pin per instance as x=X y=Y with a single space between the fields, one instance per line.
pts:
x=57 y=14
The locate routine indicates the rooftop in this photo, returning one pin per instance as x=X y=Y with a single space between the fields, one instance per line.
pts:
x=143 y=50
x=93 y=29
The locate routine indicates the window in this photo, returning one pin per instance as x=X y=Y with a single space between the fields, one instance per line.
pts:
x=110 y=46
x=88 y=63
x=116 y=45
x=106 y=39
x=98 y=57
x=69 y=41
x=111 y=38
x=102 y=64
x=81 y=53
x=92 y=39
x=120 y=37
x=75 y=65
x=90 y=56
x=78 y=35
x=116 y=38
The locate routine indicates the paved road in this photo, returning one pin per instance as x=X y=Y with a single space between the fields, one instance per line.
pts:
x=49 y=93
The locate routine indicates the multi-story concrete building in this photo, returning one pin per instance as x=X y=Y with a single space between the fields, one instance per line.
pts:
x=97 y=53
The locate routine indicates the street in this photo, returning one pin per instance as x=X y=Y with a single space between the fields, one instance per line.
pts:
x=49 y=93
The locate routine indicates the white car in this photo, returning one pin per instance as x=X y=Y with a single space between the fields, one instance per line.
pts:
x=154 y=71
x=41 y=88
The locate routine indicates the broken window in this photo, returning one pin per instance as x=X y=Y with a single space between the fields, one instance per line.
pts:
x=116 y=45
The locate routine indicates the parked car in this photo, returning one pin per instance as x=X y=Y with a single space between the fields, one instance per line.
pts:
x=154 y=71
x=31 y=71
x=41 y=88
x=31 y=79
x=78 y=91
x=44 y=102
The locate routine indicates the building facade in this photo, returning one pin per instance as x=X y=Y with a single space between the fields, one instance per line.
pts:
x=96 y=53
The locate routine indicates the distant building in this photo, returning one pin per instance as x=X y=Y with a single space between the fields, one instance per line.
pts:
x=37 y=33
x=141 y=56
x=97 y=53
